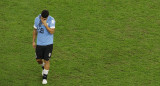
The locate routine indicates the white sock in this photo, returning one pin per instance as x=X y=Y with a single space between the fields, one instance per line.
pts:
x=45 y=71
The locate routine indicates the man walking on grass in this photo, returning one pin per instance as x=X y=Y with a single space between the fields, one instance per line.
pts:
x=44 y=28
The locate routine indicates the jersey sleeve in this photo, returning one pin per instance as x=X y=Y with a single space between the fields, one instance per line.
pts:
x=52 y=23
x=35 y=24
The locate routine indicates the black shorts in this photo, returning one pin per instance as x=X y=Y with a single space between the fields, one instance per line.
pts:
x=44 y=52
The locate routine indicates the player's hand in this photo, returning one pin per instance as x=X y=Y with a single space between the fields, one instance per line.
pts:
x=34 y=45
x=44 y=21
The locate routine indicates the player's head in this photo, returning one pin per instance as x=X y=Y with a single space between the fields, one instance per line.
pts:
x=45 y=14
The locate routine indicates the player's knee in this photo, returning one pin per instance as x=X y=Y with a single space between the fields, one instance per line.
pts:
x=39 y=61
x=46 y=61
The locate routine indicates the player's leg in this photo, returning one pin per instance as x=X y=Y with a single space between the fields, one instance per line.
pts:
x=47 y=65
x=45 y=71
x=41 y=62
x=48 y=52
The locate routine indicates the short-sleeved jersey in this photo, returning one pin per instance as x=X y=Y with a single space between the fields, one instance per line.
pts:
x=44 y=37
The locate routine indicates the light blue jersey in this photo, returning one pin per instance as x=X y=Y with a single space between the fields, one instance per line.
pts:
x=44 y=37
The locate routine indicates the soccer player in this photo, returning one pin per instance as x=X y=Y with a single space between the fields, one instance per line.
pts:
x=44 y=28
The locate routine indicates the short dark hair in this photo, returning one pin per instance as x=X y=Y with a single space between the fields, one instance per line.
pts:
x=45 y=13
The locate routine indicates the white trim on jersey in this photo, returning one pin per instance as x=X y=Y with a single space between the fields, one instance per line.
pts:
x=34 y=26
x=52 y=27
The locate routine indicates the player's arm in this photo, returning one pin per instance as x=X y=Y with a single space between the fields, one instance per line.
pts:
x=34 y=38
x=50 y=30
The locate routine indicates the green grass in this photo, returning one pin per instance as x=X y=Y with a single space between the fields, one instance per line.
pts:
x=97 y=43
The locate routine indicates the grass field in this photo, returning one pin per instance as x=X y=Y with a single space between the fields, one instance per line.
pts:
x=97 y=43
